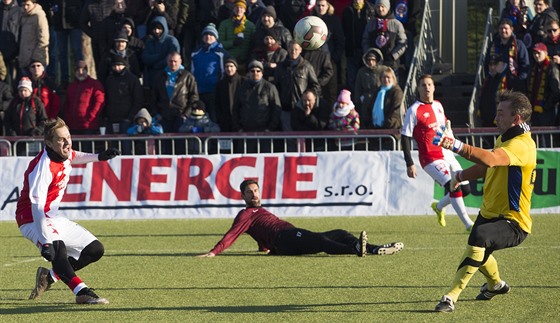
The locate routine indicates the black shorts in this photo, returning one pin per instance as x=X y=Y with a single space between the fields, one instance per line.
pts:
x=495 y=234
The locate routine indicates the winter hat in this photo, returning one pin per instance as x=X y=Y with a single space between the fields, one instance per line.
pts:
x=211 y=29
x=540 y=47
x=25 y=82
x=240 y=3
x=118 y=60
x=231 y=60
x=198 y=108
x=344 y=97
x=36 y=60
x=506 y=21
x=270 y=11
x=143 y=113
x=255 y=64
x=384 y=3
x=272 y=33
x=121 y=36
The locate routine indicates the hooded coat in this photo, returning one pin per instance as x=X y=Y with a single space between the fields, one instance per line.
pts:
x=34 y=40
x=156 y=50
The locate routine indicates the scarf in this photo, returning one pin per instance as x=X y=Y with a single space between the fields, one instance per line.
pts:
x=171 y=80
x=342 y=111
x=513 y=57
x=537 y=84
x=377 y=111
x=239 y=24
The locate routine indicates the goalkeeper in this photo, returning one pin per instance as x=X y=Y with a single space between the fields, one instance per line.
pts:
x=503 y=220
x=422 y=120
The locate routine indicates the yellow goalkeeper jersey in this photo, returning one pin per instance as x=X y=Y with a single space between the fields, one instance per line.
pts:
x=508 y=189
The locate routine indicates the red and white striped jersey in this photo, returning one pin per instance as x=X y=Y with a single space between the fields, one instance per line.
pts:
x=421 y=122
x=44 y=184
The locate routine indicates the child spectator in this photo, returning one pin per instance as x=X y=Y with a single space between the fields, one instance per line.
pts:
x=198 y=122
x=344 y=118
x=144 y=124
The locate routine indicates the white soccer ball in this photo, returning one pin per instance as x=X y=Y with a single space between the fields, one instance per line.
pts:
x=311 y=32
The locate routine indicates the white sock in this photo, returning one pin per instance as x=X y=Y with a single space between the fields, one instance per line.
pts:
x=459 y=206
x=79 y=288
x=444 y=202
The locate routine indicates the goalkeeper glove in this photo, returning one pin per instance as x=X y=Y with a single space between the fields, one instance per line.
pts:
x=455 y=181
x=445 y=139
x=108 y=154
x=47 y=251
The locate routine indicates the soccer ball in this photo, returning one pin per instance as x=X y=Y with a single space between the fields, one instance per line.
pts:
x=311 y=32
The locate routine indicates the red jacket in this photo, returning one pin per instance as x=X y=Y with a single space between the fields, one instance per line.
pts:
x=82 y=107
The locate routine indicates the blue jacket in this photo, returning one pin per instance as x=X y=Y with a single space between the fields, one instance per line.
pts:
x=207 y=66
x=155 y=53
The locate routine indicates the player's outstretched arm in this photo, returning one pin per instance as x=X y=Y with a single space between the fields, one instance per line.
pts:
x=109 y=154
x=445 y=139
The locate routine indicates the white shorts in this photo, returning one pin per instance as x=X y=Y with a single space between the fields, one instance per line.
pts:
x=75 y=237
x=440 y=170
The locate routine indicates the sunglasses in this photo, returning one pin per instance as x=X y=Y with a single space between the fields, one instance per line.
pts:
x=550 y=31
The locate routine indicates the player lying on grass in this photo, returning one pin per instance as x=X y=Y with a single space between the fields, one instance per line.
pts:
x=66 y=244
x=504 y=220
x=278 y=237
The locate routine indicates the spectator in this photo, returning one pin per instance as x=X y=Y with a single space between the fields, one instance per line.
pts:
x=92 y=20
x=512 y=50
x=114 y=23
x=225 y=10
x=292 y=78
x=290 y=11
x=84 y=101
x=270 y=54
x=323 y=66
x=123 y=98
x=6 y=97
x=119 y=48
x=226 y=88
x=268 y=22
x=367 y=79
x=44 y=88
x=66 y=21
x=386 y=33
x=516 y=11
x=144 y=124
x=311 y=114
x=175 y=91
x=34 y=41
x=537 y=27
x=3 y=68
x=138 y=10
x=255 y=8
x=385 y=108
x=163 y=8
x=10 y=24
x=354 y=20
x=198 y=122
x=256 y=107
x=552 y=41
x=134 y=43
x=159 y=45
x=335 y=42
x=26 y=115
x=543 y=90
x=236 y=34
x=344 y=118
x=499 y=79
x=208 y=67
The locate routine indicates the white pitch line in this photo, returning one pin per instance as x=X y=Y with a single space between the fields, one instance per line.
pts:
x=19 y=262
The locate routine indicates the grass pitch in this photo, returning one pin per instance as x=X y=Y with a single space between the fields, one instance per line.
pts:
x=149 y=273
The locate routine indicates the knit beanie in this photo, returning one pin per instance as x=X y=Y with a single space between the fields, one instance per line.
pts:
x=25 y=82
x=211 y=29
x=384 y=3
x=240 y=3
x=344 y=96
x=270 y=11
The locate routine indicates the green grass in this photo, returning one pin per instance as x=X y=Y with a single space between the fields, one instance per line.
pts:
x=149 y=273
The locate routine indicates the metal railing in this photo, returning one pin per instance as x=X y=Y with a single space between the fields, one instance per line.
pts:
x=473 y=104
x=261 y=142
x=423 y=58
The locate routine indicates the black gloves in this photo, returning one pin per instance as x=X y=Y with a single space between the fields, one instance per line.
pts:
x=238 y=41
x=109 y=154
x=47 y=251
